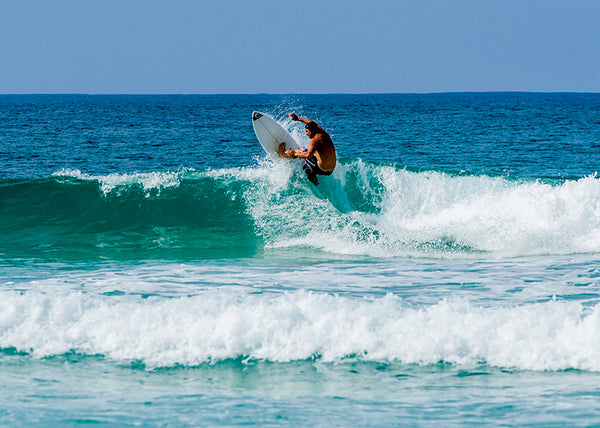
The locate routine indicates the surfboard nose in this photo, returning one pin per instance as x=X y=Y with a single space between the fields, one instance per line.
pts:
x=256 y=115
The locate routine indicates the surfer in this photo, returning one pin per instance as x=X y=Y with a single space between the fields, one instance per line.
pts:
x=319 y=158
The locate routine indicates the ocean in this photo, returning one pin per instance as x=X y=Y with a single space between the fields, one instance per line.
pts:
x=156 y=269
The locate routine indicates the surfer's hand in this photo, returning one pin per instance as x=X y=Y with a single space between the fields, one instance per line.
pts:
x=294 y=116
x=290 y=153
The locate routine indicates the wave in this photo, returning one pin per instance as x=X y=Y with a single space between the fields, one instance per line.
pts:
x=153 y=215
x=363 y=209
x=218 y=325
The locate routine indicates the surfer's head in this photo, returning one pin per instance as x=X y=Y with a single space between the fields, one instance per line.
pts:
x=311 y=128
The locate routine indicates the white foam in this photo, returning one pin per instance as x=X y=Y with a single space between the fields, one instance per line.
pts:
x=494 y=214
x=151 y=182
x=434 y=213
x=218 y=325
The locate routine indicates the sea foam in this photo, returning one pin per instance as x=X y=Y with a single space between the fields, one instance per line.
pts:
x=219 y=325
x=150 y=182
x=383 y=210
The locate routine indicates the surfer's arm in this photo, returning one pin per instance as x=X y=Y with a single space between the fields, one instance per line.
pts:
x=302 y=152
x=295 y=118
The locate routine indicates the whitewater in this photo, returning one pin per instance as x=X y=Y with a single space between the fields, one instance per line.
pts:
x=156 y=269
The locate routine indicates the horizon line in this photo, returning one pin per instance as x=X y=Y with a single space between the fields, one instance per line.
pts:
x=286 y=93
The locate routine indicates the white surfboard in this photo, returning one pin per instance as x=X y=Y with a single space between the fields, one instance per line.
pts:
x=270 y=134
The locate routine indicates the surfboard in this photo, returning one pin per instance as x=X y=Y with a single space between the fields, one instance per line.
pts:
x=270 y=134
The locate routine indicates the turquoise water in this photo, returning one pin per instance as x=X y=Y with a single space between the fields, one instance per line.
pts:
x=156 y=269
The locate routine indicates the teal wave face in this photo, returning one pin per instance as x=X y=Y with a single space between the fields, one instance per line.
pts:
x=70 y=217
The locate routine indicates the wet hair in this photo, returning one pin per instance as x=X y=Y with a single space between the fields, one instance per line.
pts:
x=313 y=127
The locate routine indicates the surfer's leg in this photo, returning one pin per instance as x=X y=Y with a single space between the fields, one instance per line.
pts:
x=281 y=150
x=312 y=175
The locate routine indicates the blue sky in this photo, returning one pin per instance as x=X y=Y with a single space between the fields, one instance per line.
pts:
x=277 y=46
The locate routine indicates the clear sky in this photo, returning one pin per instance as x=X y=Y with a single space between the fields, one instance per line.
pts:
x=282 y=46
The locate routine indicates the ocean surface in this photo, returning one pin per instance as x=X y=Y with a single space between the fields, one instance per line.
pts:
x=157 y=270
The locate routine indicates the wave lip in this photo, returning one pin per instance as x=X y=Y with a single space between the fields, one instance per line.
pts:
x=217 y=326
x=151 y=182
